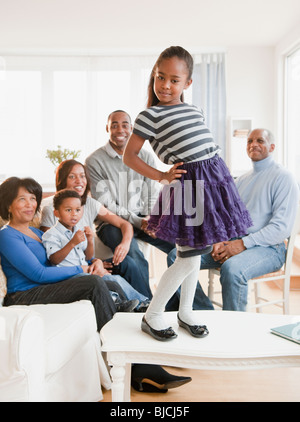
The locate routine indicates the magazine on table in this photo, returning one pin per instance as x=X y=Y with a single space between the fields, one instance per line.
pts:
x=289 y=332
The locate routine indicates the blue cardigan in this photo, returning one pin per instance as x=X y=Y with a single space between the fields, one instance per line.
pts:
x=25 y=264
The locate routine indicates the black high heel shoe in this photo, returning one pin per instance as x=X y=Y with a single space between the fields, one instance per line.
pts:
x=195 y=330
x=161 y=335
x=154 y=379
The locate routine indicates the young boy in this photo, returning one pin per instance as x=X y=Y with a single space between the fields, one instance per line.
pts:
x=67 y=244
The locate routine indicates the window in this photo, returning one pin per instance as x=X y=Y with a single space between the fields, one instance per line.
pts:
x=51 y=101
x=292 y=151
x=47 y=101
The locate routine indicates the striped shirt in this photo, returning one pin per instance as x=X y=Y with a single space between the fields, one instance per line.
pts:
x=176 y=133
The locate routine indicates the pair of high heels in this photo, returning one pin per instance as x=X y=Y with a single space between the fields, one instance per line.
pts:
x=198 y=331
x=154 y=379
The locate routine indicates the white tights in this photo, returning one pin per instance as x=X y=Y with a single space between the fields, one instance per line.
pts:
x=183 y=272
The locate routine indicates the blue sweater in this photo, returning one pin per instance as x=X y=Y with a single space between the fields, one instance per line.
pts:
x=271 y=196
x=25 y=264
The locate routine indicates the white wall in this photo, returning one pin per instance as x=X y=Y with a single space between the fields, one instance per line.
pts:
x=250 y=95
x=250 y=84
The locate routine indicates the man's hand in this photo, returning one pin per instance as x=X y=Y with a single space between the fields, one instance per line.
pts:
x=144 y=226
x=224 y=250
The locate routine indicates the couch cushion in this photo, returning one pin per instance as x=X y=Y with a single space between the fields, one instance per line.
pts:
x=67 y=328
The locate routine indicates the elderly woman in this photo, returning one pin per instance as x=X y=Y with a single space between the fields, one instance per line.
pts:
x=31 y=279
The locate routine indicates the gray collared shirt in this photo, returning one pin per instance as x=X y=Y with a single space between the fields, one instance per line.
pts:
x=119 y=188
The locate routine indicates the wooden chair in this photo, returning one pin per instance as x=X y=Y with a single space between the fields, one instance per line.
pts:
x=282 y=276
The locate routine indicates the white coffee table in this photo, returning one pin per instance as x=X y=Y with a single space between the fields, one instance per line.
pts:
x=236 y=341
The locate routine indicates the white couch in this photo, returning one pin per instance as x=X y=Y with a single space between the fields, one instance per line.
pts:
x=50 y=353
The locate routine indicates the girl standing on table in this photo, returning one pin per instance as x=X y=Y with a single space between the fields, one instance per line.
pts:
x=201 y=206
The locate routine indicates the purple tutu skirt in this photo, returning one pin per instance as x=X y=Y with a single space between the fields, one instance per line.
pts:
x=201 y=208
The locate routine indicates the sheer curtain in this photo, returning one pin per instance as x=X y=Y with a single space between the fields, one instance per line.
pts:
x=51 y=101
x=46 y=101
x=209 y=93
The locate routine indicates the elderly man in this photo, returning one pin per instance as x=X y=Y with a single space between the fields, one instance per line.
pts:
x=271 y=195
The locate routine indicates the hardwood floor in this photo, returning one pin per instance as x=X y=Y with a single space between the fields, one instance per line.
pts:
x=269 y=385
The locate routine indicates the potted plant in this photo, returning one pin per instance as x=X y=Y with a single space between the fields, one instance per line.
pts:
x=56 y=156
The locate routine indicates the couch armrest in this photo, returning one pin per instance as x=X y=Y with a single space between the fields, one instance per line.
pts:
x=22 y=366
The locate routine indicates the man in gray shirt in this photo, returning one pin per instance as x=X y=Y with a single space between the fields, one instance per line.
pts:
x=127 y=194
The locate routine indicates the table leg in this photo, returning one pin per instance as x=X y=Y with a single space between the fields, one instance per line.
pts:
x=127 y=382
x=120 y=382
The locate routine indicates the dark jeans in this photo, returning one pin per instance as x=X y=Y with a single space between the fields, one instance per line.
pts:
x=111 y=236
x=90 y=287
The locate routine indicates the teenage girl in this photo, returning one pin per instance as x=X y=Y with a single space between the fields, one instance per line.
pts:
x=199 y=204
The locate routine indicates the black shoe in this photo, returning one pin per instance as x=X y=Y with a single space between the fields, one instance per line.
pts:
x=195 y=330
x=154 y=379
x=126 y=305
x=161 y=335
x=142 y=386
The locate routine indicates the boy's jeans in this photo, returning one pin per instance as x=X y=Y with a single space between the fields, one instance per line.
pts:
x=128 y=290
